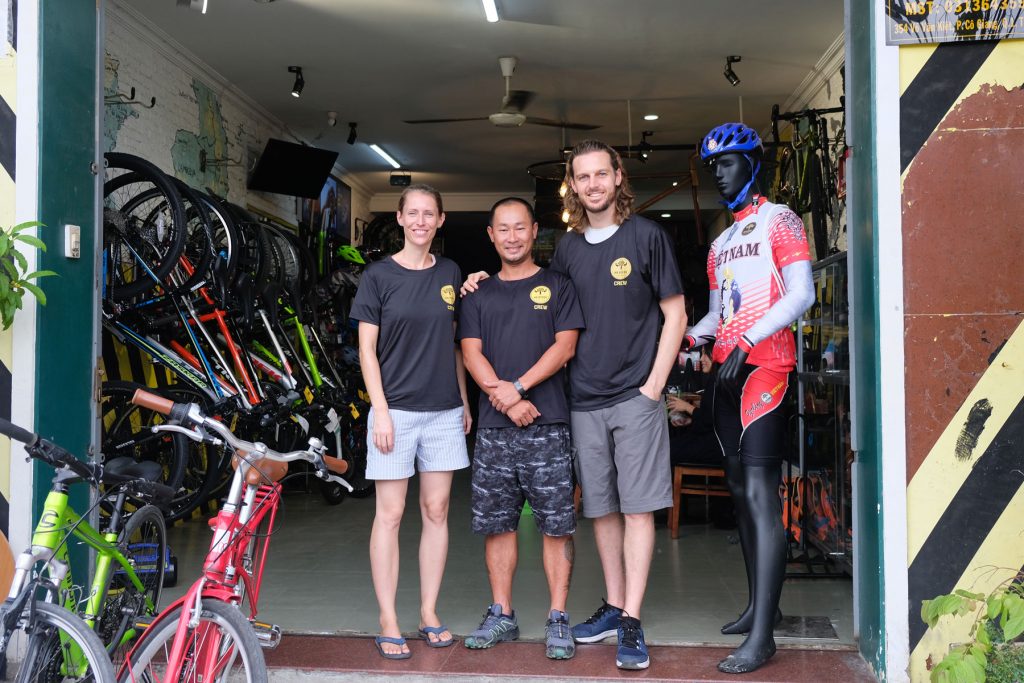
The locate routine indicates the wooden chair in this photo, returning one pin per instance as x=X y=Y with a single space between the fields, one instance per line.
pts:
x=687 y=481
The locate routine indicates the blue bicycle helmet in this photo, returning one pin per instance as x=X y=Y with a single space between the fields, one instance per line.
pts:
x=738 y=139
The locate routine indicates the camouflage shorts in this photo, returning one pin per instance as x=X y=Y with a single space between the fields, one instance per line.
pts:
x=514 y=464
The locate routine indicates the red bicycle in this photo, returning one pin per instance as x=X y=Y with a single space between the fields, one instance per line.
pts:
x=204 y=636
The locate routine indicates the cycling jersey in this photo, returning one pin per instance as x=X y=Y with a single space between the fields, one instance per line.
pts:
x=745 y=266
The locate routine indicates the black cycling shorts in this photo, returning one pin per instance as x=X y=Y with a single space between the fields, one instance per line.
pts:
x=750 y=420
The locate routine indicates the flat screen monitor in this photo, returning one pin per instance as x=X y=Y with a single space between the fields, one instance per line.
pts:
x=288 y=168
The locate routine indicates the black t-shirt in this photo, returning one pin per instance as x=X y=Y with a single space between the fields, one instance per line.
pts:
x=415 y=311
x=620 y=283
x=517 y=322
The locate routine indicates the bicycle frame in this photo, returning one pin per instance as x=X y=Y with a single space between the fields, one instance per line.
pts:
x=49 y=546
x=233 y=568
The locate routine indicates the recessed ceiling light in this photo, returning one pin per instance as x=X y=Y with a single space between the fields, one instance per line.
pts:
x=490 y=11
x=650 y=117
x=666 y=215
x=675 y=183
x=385 y=156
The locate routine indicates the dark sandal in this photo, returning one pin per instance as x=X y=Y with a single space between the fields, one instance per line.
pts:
x=427 y=631
x=400 y=641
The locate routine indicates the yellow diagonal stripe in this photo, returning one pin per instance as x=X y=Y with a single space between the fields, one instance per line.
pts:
x=941 y=475
x=997 y=560
x=1002 y=68
x=912 y=60
x=9 y=76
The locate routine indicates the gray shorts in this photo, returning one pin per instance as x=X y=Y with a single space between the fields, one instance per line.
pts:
x=622 y=458
x=531 y=463
x=428 y=441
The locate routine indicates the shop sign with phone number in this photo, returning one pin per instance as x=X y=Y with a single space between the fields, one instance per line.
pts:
x=910 y=22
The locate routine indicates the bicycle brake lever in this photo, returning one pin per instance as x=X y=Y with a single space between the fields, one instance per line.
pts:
x=194 y=434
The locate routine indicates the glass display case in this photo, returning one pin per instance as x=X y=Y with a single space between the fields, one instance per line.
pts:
x=823 y=396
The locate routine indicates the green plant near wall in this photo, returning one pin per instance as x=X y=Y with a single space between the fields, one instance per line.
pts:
x=14 y=280
x=991 y=655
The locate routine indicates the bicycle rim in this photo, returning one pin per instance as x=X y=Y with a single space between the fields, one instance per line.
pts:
x=62 y=649
x=222 y=647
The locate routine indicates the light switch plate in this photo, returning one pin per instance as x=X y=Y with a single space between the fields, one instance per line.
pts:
x=72 y=241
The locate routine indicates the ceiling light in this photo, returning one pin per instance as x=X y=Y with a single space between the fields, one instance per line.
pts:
x=565 y=216
x=729 y=74
x=563 y=189
x=675 y=183
x=666 y=215
x=385 y=156
x=300 y=82
x=490 y=11
x=193 y=4
x=650 y=117
x=351 y=132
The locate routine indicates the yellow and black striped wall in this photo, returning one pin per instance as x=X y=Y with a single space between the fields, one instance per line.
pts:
x=8 y=155
x=962 y=176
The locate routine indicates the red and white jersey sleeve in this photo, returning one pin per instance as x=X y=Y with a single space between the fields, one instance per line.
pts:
x=745 y=264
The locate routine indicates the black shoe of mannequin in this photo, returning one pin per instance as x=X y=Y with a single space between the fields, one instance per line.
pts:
x=744 y=662
x=742 y=625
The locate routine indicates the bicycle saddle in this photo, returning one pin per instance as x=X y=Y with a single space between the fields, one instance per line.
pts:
x=263 y=471
x=124 y=468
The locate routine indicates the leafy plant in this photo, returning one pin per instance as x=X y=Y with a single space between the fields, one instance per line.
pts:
x=14 y=280
x=998 y=621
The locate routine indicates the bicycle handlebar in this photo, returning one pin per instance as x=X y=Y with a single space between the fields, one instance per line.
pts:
x=189 y=414
x=50 y=453
x=17 y=433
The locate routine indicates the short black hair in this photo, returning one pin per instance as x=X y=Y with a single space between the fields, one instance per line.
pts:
x=512 y=200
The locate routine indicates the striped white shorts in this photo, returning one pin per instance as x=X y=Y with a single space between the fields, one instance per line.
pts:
x=431 y=441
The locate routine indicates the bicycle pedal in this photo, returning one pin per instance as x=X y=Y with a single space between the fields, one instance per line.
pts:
x=142 y=622
x=269 y=635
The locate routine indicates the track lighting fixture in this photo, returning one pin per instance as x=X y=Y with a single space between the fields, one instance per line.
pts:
x=729 y=74
x=300 y=82
x=193 y=4
x=351 y=132
x=645 y=147
x=332 y=118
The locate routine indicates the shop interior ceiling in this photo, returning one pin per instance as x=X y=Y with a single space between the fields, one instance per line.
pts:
x=382 y=62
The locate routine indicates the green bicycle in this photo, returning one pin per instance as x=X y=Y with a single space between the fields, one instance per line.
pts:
x=128 y=574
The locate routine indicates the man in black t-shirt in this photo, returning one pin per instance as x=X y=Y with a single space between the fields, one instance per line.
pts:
x=517 y=332
x=626 y=276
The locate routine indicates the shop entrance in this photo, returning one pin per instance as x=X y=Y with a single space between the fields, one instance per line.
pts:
x=214 y=113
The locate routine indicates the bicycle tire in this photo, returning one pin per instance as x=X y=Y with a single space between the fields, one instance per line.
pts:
x=160 y=248
x=198 y=248
x=53 y=627
x=226 y=243
x=238 y=640
x=143 y=541
x=125 y=432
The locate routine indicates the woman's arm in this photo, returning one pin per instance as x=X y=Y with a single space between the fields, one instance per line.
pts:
x=383 y=429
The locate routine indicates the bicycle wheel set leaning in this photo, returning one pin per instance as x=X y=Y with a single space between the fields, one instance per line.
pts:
x=217 y=306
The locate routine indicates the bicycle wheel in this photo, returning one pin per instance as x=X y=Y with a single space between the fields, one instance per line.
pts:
x=142 y=239
x=201 y=463
x=143 y=541
x=221 y=647
x=125 y=432
x=61 y=649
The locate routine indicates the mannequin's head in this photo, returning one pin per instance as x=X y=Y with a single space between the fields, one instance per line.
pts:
x=733 y=152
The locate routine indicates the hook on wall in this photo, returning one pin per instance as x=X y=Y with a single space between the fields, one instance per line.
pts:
x=128 y=98
x=205 y=162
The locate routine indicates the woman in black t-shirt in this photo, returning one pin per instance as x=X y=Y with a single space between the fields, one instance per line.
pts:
x=419 y=415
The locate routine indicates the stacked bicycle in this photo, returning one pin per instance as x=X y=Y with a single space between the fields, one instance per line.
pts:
x=227 y=305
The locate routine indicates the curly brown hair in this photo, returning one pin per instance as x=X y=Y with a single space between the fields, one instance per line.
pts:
x=571 y=202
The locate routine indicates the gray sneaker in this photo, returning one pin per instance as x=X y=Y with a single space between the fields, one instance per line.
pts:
x=558 y=642
x=495 y=628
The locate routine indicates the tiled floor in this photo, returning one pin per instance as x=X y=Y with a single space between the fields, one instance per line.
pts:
x=318 y=582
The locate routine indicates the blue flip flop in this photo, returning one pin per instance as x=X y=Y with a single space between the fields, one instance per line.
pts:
x=426 y=632
x=394 y=641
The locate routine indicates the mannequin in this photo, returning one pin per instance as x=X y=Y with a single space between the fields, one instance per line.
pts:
x=760 y=277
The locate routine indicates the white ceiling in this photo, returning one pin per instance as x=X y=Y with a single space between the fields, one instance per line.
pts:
x=378 y=62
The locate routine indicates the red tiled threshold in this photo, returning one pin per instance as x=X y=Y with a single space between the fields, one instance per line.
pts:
x=668 y=663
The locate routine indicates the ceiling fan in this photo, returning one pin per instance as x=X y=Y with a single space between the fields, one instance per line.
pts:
x=512 y=105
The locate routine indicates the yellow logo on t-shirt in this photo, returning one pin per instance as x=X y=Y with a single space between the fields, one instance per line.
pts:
x=621 y=268
x=540 y=295
x=448 y=294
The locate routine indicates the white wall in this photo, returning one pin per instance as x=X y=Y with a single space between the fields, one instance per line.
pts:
x=142 y=56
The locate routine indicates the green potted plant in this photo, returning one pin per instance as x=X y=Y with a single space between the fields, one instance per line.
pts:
x=991 y=654
x=14 y=278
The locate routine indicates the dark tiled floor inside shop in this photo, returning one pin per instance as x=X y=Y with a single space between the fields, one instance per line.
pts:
x=318 y=582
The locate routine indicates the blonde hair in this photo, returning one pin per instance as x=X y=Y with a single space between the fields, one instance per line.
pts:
x=623 y=193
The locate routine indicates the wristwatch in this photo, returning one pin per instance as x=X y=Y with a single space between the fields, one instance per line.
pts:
x=519 y=387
